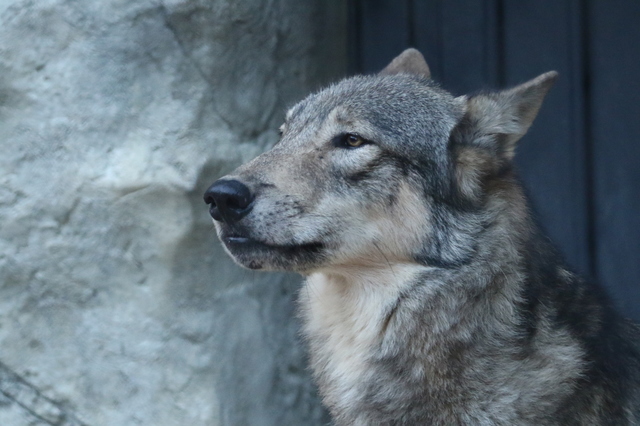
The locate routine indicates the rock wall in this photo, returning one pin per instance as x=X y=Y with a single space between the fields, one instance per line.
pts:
x=117 y=303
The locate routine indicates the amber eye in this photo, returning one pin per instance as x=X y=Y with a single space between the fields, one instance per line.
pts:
x=349 y=141
x=354 y=141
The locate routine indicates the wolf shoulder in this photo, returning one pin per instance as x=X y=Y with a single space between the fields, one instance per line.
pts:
x=608 y=389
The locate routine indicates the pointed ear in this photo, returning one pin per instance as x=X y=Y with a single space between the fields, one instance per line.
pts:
x=484 y=140
x=506 y=116
x=408 y=62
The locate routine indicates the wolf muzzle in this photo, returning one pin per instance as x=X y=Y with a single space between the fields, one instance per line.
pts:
x=228 y=200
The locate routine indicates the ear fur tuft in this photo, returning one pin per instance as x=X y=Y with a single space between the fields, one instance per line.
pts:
x=508 y=113
x=484 y=140
x=410 y=61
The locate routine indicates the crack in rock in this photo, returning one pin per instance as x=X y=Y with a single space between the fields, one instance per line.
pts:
x=17 y=390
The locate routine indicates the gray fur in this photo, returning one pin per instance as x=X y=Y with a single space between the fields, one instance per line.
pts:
x=431 y=296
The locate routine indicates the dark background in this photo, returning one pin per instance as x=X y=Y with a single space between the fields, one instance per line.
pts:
x=580 y=160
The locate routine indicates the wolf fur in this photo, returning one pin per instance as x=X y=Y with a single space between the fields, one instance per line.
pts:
x=431 y=296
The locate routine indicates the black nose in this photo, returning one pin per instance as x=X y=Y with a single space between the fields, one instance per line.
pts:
x=229 y=200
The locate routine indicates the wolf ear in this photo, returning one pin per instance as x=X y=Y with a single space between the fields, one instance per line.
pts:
x=501 y=119
x=485 y=138
x=408 y=62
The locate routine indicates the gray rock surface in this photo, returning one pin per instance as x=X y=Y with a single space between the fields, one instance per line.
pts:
x=117 y=303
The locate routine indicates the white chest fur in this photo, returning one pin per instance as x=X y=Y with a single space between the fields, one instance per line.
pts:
x=344 y=318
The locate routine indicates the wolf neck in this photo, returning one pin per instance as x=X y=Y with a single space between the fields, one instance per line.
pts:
x=345 y=316
x=354 y=306
x=353 y=321
x=358 y=306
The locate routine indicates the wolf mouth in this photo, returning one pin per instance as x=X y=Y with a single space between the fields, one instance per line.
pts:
x=251 y=250
x=248 y=243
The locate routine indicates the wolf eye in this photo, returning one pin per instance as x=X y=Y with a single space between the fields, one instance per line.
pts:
x=349 y=141
x=354 y=141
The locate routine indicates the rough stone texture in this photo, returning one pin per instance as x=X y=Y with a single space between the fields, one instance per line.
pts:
x=117 y=304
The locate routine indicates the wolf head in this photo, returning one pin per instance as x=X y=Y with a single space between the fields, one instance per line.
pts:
x=372 y=170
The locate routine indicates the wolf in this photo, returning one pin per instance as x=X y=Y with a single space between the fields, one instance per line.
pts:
x=431 y=295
